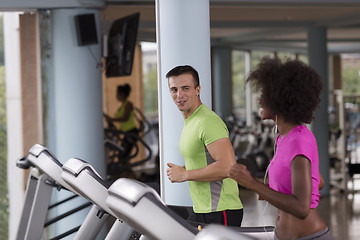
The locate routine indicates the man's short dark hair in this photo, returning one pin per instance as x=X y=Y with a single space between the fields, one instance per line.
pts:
x=179 y=70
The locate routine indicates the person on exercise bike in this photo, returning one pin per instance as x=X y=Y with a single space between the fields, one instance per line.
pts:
x=290 y=93
x=125 y=116
x=208 y=154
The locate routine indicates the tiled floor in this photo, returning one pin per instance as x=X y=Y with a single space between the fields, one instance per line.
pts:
x=340 y=211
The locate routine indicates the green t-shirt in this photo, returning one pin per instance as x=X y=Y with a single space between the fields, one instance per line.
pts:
x=128 y=124
x=200 y=129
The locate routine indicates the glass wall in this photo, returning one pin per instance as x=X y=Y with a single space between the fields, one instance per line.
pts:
x=238 y=83
x=350 y=73
x=350 y=77
x=149 y=68
x=239 y=78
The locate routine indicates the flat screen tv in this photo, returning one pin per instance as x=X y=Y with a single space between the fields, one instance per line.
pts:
x=86 y=29
x=121 y=46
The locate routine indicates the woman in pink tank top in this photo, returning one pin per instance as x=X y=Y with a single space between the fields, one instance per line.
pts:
x=290 y=93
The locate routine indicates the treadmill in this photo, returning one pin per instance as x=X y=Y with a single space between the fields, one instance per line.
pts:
x=45 y=175
x=142 y=208
x=81 y=176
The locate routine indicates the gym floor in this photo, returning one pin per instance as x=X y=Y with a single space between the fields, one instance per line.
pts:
x=340 y=211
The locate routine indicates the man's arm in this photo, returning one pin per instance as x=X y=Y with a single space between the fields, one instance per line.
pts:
x=221 y=151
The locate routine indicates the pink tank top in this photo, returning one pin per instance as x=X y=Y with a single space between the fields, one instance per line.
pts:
x=299 y=141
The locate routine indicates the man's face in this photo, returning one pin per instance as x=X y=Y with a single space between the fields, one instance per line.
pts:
x=184 y=93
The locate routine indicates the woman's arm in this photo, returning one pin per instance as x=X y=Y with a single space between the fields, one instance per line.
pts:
x=322 y=182
x=298 y=203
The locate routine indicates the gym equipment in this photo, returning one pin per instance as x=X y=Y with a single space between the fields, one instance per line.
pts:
x=253 y=146
x=45 y=175
x=33 y=215
x=81 y=176
x=142 y=208
x=115 y=144
x=121 y=147
x=218 y=232
x=129 y=199
x=346 y=164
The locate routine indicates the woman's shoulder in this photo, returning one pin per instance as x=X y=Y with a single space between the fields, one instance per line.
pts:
x=300 y=135
x=129 y=104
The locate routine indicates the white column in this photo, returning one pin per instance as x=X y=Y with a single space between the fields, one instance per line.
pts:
x=183 y=37
x=77 y=99
x=14 y=120
x=77 y=92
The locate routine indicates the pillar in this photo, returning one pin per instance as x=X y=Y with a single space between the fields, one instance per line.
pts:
x=222 y=82
x=72 y=96
x=183 y=37
x=318 y=59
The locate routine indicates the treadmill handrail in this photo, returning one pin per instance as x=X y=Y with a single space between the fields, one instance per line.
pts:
x=37 y=149
x=42 y=159
x=131 y=190
x=75 y=166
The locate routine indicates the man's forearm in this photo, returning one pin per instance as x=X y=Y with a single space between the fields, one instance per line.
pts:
x=213 y=172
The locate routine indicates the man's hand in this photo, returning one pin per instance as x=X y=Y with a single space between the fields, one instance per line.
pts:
x=176 y=173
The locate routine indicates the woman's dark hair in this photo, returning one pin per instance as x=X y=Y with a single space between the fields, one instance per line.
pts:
x=179 y=70
x=290 y=89
x=124 y=90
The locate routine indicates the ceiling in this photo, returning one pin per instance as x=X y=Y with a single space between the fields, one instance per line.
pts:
x=268 y=25
x=257 y=24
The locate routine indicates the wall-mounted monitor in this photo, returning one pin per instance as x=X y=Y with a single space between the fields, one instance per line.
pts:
x=121 y=46
x=86 y=29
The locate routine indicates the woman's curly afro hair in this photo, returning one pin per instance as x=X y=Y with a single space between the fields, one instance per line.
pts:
x=290 y=89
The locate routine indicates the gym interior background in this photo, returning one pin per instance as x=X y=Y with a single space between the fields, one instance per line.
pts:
x=267 y=29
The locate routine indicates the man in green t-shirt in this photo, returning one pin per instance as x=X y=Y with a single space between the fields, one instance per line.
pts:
x=208 y=154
